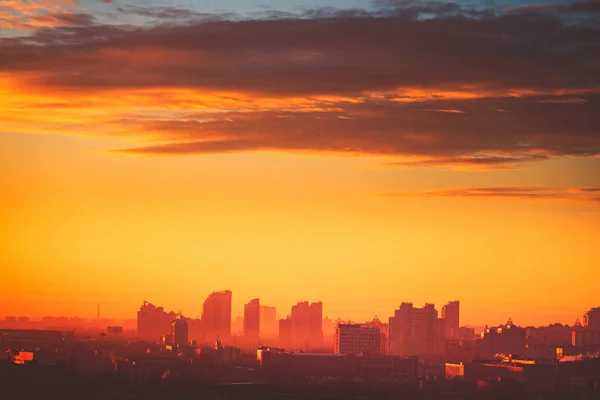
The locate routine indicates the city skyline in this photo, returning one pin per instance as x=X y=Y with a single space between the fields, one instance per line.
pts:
x=300 y=199
x=286 y=313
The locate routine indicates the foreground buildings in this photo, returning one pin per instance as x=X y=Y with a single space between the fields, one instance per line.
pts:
x=298 y=366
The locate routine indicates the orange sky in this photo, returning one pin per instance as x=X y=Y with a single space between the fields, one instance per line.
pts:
x=125 y=177
x=85 y=227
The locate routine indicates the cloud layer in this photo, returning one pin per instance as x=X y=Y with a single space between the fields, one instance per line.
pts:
x=423 y=84
x=580 y=195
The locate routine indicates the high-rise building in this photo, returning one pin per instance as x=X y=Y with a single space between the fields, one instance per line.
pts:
x=237 y=326
x=285 y=332
x=268 y=321
x=451 y=317
x=252 y=321
x=179 y=332
x=307 y=325
x=216 y=316
x=591 y=319
x=416 y=331
x=153 y=322
x=357 y=339
x=384 y=331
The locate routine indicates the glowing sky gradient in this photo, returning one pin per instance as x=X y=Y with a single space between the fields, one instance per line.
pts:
x=361 y=154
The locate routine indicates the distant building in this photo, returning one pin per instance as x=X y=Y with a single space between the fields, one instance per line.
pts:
x=216 y=316
x=464 y=333
x=306 y=329
x=179 y=332
x=237 y=326
x=591 y=319
x=507 y=339
x=285 y=332
x=357 y=339
x=451 y=317
x=252 y=321
x=153 y=322
x=384 y=332
x=586 y=339
x=551 y=335
x=416 y=332
x=268 y=321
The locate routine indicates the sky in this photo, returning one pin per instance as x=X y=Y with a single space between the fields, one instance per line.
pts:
x=359 y=153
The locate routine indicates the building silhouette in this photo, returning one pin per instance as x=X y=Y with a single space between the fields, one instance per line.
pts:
x=153 y=322
x=507 y=339
x=285 y=332
x=179 y=332
x=384 y=331
x=416 y=332
x=591 y=319
x=252 y=321
x=303 y=328
x=268 y=321
x=451 y=317
x=357 y=339
x=307 y=325
x=216 y=316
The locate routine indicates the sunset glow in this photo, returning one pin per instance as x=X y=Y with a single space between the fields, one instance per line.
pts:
x=361 y=156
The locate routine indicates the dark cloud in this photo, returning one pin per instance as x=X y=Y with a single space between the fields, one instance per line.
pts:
x=589 y=6
x=532 y=80
x=175 y=13
x=66 y=18
x=528 y=131
x=332 y=52
x=527 y=193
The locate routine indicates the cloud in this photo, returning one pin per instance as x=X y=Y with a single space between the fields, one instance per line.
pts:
x=335 y=53
x=158 y=13
x=62 y=19
x=34 y=14
x=522 y=193
x=529 y=131
x=420 y=84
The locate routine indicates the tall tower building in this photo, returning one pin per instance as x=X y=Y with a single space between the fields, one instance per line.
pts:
x=252 y=321
x=216 y=316
x=179 y=332
x=268 y=321
x=285 y=332
x=416 y=331
x=451 y=317
x=307 y=325
x=316 y=324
